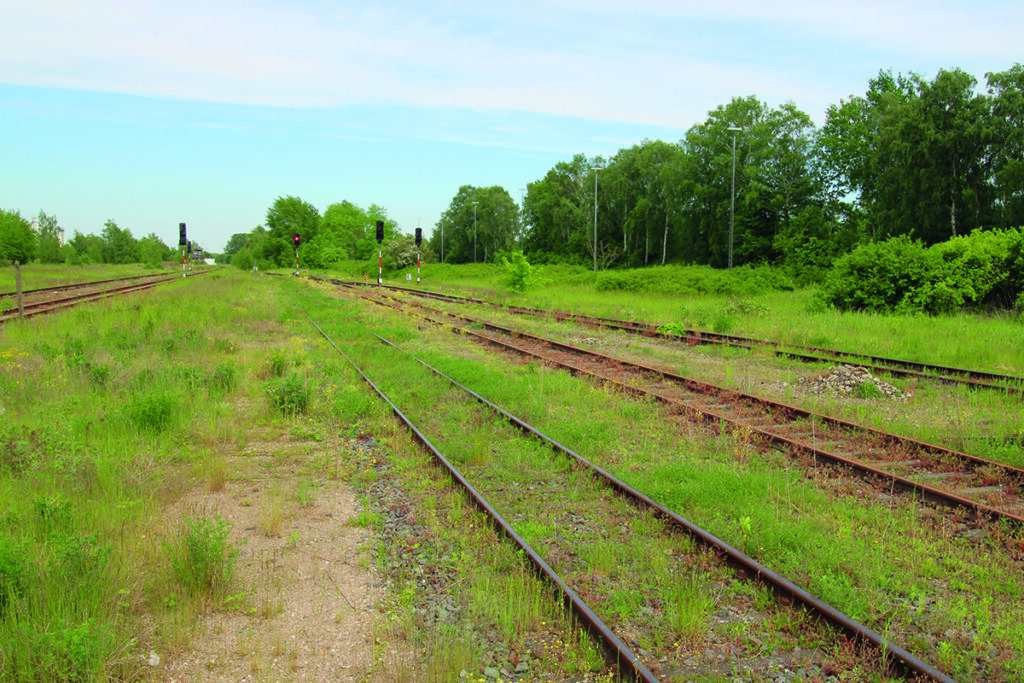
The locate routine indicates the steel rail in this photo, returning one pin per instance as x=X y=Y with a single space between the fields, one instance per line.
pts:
x=77 y=285
x=42 y=307
x=735 y=558
x=977 y=379
x=928 y=493
x=620 y=653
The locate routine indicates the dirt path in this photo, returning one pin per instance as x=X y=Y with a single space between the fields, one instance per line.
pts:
x=307 y=603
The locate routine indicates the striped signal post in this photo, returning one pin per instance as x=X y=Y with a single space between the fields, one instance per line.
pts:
x=182 y=243
x=419 y=240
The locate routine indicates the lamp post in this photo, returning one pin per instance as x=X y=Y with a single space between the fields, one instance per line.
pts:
x=596 y=169
x=522 y=215
x=474 y=231
x=732 y=199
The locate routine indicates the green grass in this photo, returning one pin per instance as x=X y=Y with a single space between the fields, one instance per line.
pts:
x=977 y=341
x=109 y=410
x=38 y=276
x=103 y=405
x=863 y=558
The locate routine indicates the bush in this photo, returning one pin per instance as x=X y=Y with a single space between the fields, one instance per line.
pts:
x=13 y=560
x=878 y=276
x=151 y=412
x=982 y=270
x=520 y=274
x=202 y=559
x=289 y=394
x=62 y=651
x=746 y=280
x=223 y=377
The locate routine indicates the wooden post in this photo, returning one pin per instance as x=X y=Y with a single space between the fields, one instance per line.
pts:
x=17 y=286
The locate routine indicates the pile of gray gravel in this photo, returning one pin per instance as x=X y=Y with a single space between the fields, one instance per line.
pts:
x=850 y=380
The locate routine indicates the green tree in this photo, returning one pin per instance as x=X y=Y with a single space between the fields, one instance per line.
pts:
x=51 y=237
x=1006 y=90
x=559 y=211
x=85 y=249
x=153 y=252
x=932 y=150
x=235 y=244
x=774 y=181
x=252 y=253
x=118 y=244
x=342 y=227
x=479 y=222
x=285 y=217
x=849 y=161
x=17 y=241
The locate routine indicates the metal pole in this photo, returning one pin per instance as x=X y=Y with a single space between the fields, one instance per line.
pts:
x=474 y=231
x=442 y=238
x=596 y=169
x=17 y=286
x=522 y=216
x=732 y=199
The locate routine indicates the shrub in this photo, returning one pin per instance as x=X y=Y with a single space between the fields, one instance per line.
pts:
x=151 y=412
x=61 y=652
x=877 y=276
x=520 y=274
x=13 y=559
x=202 y=559
x=278 y=363
x=982 y=270
x=692 y=280
x=289 y=394
x=223 y=377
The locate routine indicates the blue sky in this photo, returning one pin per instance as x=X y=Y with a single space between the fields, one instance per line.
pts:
x=157 y=112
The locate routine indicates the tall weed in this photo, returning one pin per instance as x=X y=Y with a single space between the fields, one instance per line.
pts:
x=202 y=558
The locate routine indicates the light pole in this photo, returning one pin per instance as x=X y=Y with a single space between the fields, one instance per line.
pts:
x=474 y=231
x=732 y=200
x=522 y=215
x=596 y=169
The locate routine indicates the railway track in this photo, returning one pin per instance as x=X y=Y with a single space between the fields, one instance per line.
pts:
x=988 y=491
x=532 y=500
x=975 y=379
x=49 y=299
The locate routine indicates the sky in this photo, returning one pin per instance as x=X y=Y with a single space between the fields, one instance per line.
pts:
x=157 y=112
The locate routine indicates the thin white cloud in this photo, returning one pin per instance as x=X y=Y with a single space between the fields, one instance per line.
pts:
x=646 y=61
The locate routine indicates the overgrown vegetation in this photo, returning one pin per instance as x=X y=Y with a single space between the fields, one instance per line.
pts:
x=980 y=271
x=112 y=411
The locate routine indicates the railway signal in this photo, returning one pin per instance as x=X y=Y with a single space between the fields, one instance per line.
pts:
x=182 y=242
x=419 y=240
x=380 y=253
x=297 y=239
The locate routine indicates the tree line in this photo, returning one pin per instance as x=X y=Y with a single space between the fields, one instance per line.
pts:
x=43 y=240
x=930 y=160
x=344 y=232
